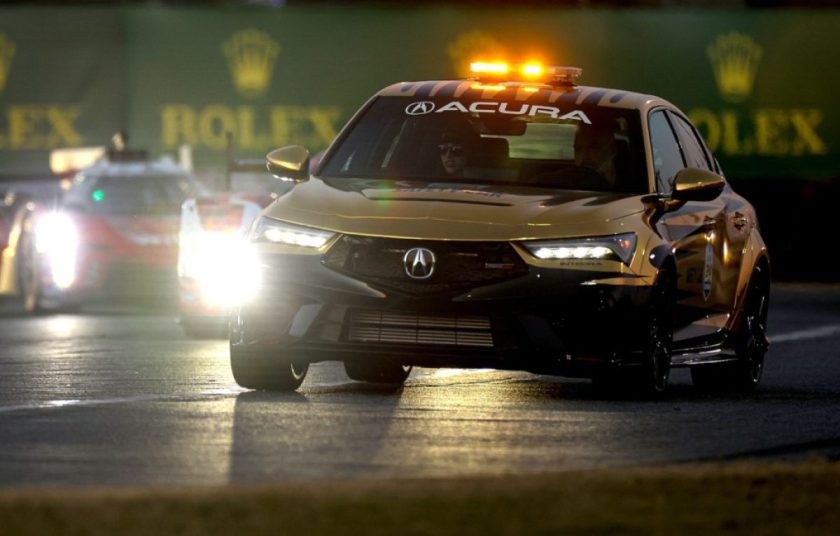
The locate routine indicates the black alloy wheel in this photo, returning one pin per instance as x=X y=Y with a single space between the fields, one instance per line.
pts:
x=653 y=377
x=753 y=342
x=648 y=379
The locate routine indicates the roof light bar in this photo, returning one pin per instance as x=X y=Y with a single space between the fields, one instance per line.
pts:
x=483 y=67
x=530 y=72
x=563 y=74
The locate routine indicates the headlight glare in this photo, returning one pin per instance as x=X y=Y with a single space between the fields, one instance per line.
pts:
x=57 y=238
x=617 y=247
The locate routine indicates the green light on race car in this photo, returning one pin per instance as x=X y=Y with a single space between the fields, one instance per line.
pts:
x=98 y=196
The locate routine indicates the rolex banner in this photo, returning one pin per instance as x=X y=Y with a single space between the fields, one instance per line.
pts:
x=759 y=84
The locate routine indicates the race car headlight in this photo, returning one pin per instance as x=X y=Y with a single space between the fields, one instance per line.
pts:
x=617 y=247
x=57 y=238
x=278 y=232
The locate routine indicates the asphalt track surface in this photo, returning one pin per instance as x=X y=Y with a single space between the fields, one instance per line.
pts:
x=122 y=398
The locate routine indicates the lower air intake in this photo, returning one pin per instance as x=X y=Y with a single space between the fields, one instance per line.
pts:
x=439 y=330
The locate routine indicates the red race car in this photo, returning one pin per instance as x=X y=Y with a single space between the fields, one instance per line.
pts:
x=112 y=236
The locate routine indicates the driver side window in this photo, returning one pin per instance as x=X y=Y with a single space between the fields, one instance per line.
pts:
x=667 y=158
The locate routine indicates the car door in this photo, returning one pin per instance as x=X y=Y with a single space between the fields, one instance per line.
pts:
x=733 y=228
x=695 y=230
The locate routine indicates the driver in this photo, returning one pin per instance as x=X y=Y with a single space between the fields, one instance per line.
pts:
x=453 y=154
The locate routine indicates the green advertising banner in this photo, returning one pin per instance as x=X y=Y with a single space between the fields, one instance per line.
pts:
x=62 y=83
x=759 y=84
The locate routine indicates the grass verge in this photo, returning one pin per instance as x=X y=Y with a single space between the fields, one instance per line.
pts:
x=801 y=498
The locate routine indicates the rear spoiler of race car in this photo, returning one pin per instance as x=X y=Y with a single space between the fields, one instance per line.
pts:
x=127 y=155
x=235 y=165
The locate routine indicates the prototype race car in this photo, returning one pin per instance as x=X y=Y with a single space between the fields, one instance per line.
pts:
x=112 y=236
x=517 y=221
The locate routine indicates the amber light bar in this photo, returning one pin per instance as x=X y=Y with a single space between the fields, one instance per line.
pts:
x=483 y=67
x=531 y=71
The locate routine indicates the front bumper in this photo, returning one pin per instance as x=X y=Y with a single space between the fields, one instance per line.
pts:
x=103 y=277
x=544 y=320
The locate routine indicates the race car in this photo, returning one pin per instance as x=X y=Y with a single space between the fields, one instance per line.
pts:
x=112 y=236
x=515 y=220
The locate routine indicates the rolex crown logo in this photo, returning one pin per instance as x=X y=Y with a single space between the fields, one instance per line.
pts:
x=7 y=52
x=735 y=59
x=467 y=47
x=250 y=56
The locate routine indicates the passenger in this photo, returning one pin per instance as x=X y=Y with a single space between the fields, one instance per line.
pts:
x=595 y=148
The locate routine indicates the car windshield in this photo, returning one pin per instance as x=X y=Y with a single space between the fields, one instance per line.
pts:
x=156 y=195
x=577 y=147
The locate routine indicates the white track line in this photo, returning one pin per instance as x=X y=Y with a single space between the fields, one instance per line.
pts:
x=54 y=404
x=812 y=333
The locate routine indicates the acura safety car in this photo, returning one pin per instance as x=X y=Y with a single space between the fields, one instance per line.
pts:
x=515 y=220
x=113 y=235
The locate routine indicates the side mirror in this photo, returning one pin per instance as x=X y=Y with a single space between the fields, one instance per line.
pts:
x=692 y=184
x=289 y=163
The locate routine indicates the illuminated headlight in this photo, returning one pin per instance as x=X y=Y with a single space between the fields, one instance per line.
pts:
x=225 y=267
x=617 y=247
x=57 y=238
x=269 y=230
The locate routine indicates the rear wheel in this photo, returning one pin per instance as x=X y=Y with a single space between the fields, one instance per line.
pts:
x=265 y=368
x=751 y=344
x=377 y=372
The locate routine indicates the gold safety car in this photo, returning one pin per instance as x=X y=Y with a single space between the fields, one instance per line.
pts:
x=515 y=220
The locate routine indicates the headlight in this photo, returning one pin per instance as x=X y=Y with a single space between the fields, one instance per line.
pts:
x=225 y=267
x=269 y=230
x=617 y=247
x=56 y=237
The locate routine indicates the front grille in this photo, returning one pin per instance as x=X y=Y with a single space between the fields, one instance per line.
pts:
x=459 y=266
x=403 y=328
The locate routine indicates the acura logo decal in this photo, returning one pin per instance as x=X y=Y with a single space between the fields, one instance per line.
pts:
x=420 y=108
x=419 y=263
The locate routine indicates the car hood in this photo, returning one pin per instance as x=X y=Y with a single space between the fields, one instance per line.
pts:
x=448 y=211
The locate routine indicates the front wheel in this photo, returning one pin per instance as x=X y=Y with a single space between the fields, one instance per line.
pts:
x=265 y=368
x=377 y=372
x=650 y=377
x=29 y=278
x=656 y=369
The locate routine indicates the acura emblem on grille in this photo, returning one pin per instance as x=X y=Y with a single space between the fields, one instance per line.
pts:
x=419 y=263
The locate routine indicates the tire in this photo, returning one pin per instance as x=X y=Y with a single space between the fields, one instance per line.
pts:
x=651 y=379
x=265 y=368
x=31 y=291
x=29 y=278
x=377 y=372
x=750 y=345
